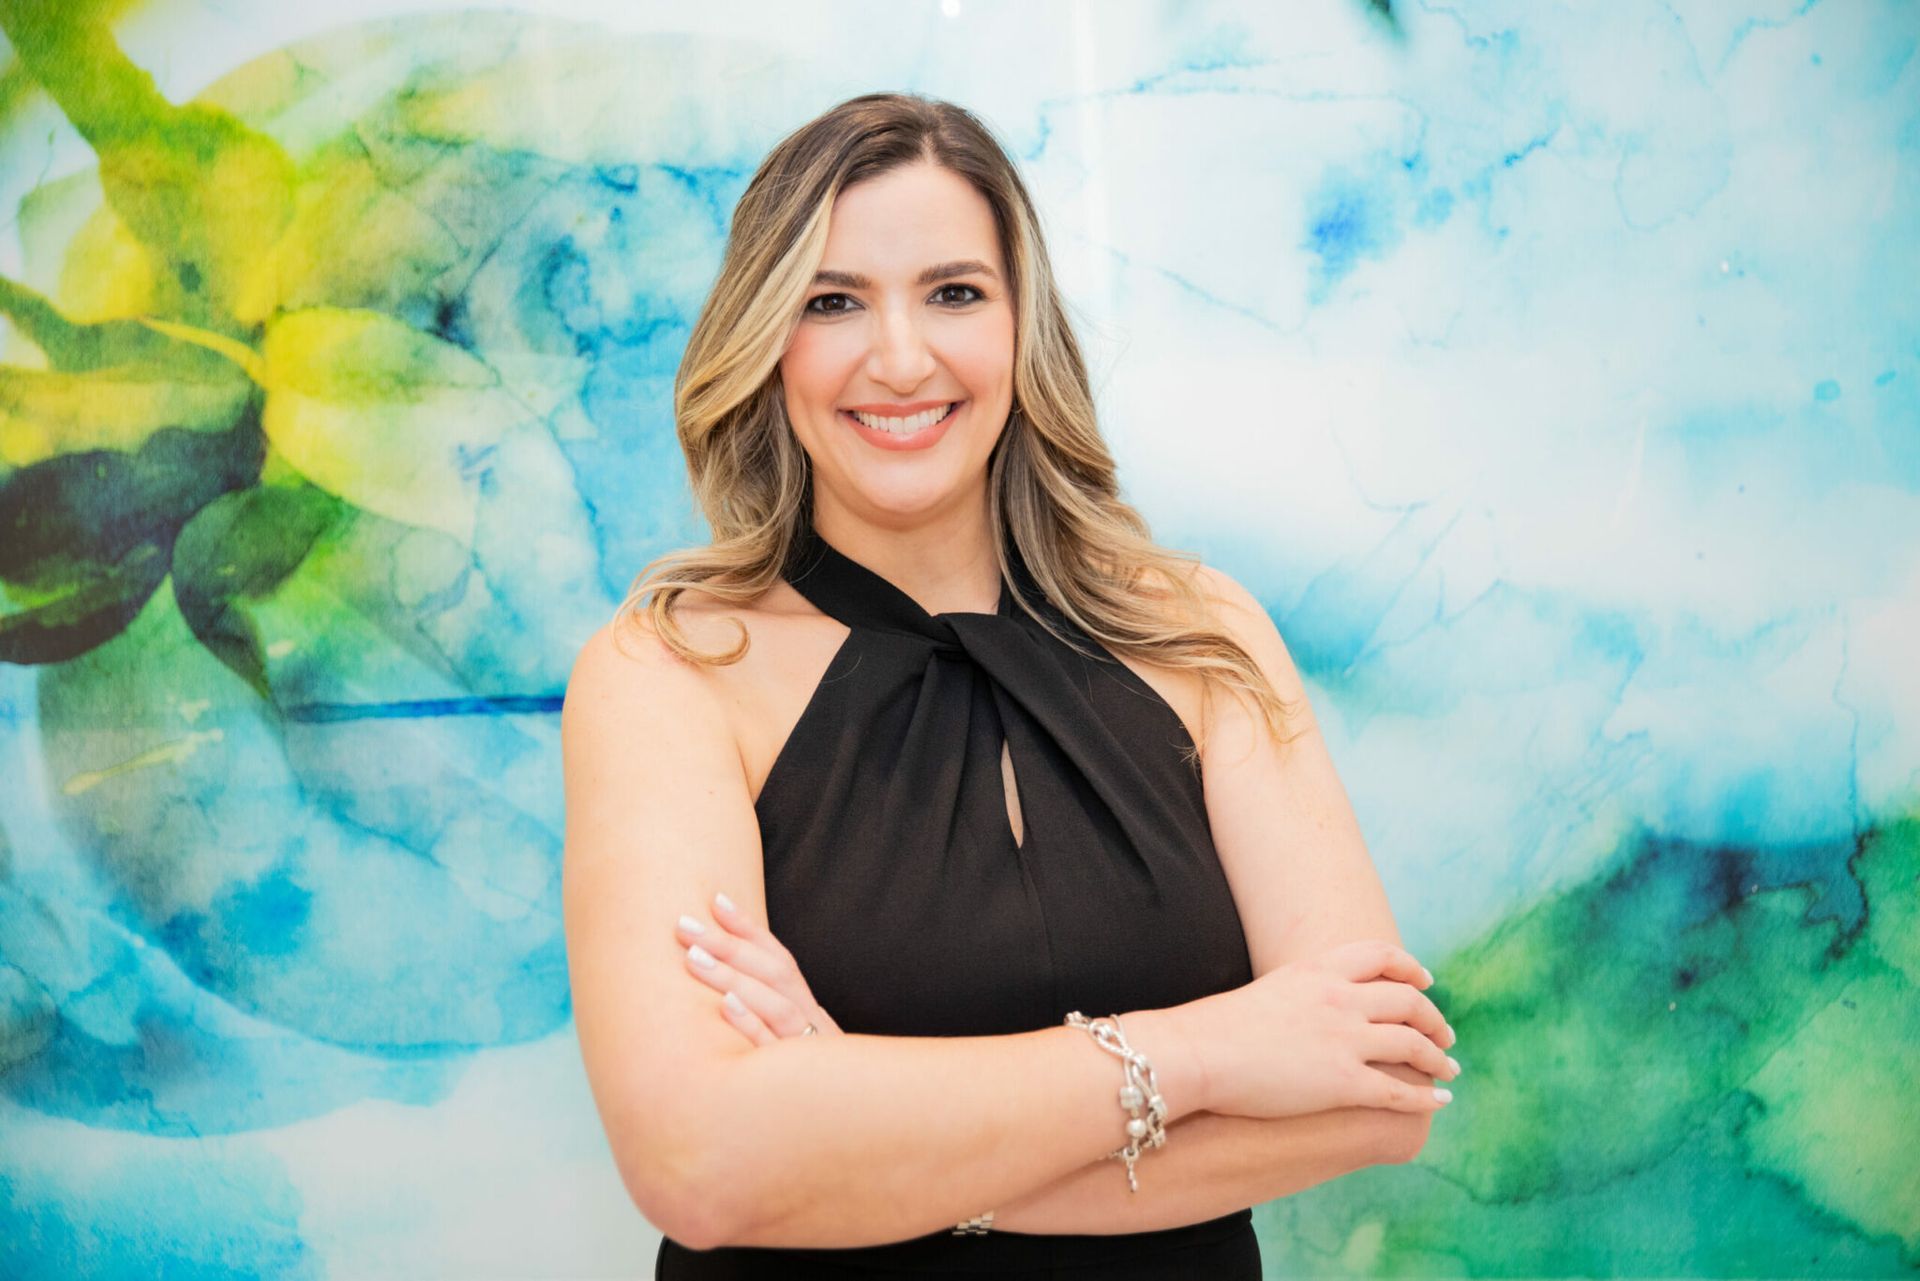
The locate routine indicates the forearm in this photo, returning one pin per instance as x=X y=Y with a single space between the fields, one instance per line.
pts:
x=858 y=1140
x=1211 y=1165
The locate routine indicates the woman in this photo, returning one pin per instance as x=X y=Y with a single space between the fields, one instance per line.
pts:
x=934 y=708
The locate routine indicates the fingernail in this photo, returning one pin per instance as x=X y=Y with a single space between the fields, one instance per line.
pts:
x=726 y=904
x=690 y=925
x=735 y=1004
x=701 y=957
x=1429 y=973
x=1454 y=1064
x=1445 y=1096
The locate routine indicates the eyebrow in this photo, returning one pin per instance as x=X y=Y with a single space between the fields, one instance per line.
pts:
x=939 y=271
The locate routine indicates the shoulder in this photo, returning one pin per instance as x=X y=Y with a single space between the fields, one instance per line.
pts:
x=1227 y=595
x=628 y=672
x=627 y=652
x=630 y=649
x=627 y=689
x=1239 y=613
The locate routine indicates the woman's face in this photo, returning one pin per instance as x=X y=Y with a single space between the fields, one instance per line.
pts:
x=909 y=313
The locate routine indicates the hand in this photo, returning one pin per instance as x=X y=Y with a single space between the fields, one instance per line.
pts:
x=1304 y=1037
x=756 y=968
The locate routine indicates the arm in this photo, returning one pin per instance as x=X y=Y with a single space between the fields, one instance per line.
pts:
x=1211 y=1165
x=1288 y=838
x=856 y=1140
x=1293 y=853
x=837 y=1141
x=1223 y=1163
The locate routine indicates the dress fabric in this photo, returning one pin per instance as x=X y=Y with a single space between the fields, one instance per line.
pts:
x=893 y=876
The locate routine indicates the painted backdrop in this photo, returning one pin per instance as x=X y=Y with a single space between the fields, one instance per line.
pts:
x=1552 y=375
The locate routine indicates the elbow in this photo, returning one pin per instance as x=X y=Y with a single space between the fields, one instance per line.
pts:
x=1403 y=1136
x=671 y=1180
x=682 y=1205
x=1399 y=1136
x=696 y=1227
x=680 y=1209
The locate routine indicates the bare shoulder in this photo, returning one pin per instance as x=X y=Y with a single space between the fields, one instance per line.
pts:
x=626 y=678
x=1234 y=610
x=706 y=622
x=1241 y=615
x=629 y=661
x=630 y=674
x=635 y=710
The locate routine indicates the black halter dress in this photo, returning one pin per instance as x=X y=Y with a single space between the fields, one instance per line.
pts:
x=893 y=876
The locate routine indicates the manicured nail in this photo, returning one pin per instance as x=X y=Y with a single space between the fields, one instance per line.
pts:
x=1454 y=1064
x=701 y=957
x=726 y=904
x=735 y=1004
x=1429 y=973
x=1445 y=1096
x=690 y=925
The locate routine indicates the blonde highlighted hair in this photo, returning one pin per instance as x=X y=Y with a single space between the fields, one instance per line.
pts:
x=1051 y=481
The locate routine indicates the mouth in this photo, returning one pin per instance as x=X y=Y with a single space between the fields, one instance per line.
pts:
x=915 y=432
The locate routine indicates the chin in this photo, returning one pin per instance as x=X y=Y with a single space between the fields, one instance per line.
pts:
x=899 y=495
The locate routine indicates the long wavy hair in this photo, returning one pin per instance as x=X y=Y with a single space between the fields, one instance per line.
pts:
x=1051 y=480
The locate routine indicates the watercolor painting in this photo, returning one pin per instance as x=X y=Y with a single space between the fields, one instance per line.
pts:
x=1553 y=377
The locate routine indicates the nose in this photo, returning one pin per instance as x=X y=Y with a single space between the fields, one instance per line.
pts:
x=900 y=360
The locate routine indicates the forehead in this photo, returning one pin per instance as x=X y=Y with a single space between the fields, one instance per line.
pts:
x=893 y=226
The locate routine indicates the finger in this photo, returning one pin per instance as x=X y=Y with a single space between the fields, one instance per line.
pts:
x=1389 y=1091
x=746 y=1021
x=1366 y=959
x=767 y=1003
x=745 y=955
x=739 y=923
x=730 y=915
x=751 y=961
x=1398 y=1043
x=1390 y=1002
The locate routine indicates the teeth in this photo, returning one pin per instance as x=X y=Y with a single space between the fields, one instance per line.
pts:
x=904 y=426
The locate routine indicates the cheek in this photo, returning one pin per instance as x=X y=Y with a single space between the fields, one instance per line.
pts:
x=985 y=358
x=813 y=366
x=797 y=369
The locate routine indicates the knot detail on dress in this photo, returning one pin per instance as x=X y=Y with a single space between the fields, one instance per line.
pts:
x=845 y=589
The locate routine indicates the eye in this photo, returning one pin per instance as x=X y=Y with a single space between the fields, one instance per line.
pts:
x=826 y=311
x=840 y=304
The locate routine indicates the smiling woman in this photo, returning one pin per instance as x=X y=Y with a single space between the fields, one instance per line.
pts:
x=938 y=712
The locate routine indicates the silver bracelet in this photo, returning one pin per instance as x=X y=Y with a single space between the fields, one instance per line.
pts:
x=1140 y=1086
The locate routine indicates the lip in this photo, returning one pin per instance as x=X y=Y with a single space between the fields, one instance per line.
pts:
x=925 y=438
x=879 y=410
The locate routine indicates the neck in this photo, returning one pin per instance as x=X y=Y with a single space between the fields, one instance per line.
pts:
x=945 y=560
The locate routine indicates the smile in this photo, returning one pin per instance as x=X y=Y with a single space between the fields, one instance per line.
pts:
x=904 y=426
x=916 y=432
